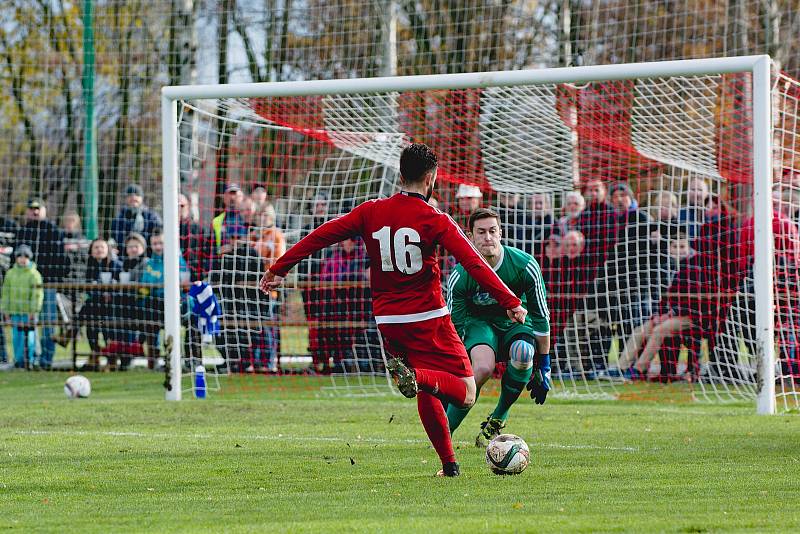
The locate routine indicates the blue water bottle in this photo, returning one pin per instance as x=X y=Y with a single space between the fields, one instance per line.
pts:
x=200 y=382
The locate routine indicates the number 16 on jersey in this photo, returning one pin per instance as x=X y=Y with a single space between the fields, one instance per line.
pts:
x=405 y=256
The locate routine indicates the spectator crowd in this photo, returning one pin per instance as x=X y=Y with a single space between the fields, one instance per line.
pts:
x=670 y=275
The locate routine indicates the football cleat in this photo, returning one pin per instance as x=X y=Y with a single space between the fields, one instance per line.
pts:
x=490 y=429
x=450 y=469
x=403 y=376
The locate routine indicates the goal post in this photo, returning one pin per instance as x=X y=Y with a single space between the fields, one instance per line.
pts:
x=368 y=137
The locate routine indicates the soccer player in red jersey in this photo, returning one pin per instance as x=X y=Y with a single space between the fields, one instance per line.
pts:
x=427 y=358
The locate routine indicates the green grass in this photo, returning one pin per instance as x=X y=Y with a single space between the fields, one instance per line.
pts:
x=281 y=458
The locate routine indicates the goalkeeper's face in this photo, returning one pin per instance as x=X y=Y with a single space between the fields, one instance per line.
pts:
x=486 y=237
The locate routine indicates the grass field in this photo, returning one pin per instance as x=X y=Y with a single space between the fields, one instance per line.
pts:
x=293 y=460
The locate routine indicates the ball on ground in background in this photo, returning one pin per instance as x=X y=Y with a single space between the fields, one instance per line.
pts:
x=77 y=386
x=507 y=454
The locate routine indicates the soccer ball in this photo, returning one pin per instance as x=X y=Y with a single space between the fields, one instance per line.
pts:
x=507 y=454
x=77 y=386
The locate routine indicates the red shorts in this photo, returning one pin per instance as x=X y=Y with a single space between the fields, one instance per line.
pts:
x=430 y=344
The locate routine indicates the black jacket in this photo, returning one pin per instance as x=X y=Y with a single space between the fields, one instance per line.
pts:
x=47 y=243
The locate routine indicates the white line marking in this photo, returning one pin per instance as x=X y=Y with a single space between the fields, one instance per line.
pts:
x=283 y=437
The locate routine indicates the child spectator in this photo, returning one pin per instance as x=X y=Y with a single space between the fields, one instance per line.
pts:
x=100 y=303
x=21 y=302
x=151 y=299
x=130 y=313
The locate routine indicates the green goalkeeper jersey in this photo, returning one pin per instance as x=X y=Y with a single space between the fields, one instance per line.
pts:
x=469 y=302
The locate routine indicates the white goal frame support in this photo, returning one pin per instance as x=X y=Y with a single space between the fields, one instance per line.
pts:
x=759 y=66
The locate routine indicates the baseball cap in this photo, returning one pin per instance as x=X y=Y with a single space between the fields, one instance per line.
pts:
x=134 y=189
x=468 y=191
x=35 y=203
x=232 y=187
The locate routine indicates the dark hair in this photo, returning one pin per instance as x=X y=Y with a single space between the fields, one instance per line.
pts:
x=416 y=160
x=157 y=232
x=482 y=213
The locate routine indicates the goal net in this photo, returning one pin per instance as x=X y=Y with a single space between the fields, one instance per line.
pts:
x=643 y=199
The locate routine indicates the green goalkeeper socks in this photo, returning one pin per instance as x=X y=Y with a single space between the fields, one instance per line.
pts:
x=512 y=385
x=455 y=414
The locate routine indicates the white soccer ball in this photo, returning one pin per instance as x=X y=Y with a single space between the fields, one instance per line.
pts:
x=77 y=386
x=507 y=454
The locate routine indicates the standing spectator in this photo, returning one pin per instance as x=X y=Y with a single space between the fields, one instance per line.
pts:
x=270 y=243
x=259 y=198
x=574 y=204
x=308 y=274
x=512 y=218
x=268 y=239
x=134 y=216
x=21 y=302
x=619 y=297
x=230 y=222
x=76 y=252
x=538 y=225
x=693 y=214
x=8 y=238
x=191 y=239
x=101 y=304
x=740 y=324
x=47 y=243
x=468 y=199
x=234 y=278
x=344 y=304
x=151 y=299
x=596 y=224
x=630 y=223
x=566 y=277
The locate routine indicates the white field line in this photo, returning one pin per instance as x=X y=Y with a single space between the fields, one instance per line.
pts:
x=283 y=437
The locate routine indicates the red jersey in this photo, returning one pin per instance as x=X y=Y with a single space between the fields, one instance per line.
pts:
x=401 y=234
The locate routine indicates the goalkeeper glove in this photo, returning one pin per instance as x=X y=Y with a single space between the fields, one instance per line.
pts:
x=540 y=383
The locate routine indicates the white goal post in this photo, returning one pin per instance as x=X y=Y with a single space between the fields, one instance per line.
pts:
x=759 y=67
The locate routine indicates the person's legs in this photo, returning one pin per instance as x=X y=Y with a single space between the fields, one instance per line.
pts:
x=666 y=326
x=517 y=374
x=48 y=316
x=633 y=345
x=18 y=340
x=30 y=338
x=3 y=354
x=440 y=369
x=483 y=362
x=434 y=420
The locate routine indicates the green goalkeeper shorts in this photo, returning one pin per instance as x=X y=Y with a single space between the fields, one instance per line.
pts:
x=482 y=333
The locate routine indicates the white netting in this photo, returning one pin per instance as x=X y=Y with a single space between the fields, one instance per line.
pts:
x=633 y=196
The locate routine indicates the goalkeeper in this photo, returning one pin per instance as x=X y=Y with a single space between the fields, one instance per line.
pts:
x=490 y=336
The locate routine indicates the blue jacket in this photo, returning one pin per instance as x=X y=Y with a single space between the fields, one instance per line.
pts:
x=125 y=221
x=153 y=273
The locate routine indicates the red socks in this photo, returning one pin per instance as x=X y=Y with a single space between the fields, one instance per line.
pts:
x=443 y=385
x=434 y=419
